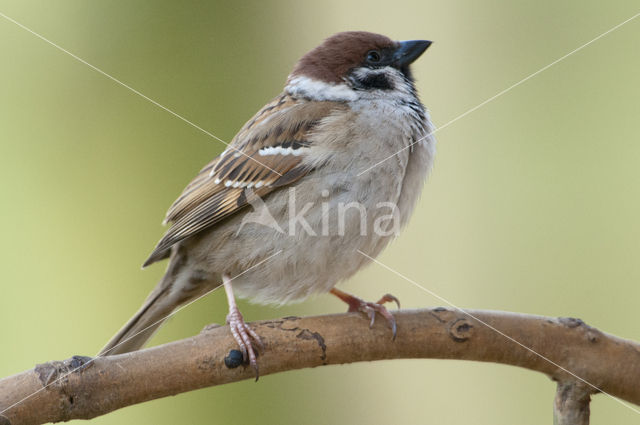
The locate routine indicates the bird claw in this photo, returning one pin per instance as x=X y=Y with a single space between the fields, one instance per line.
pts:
x=244 y=336
x=386 y=298
x=370 y=308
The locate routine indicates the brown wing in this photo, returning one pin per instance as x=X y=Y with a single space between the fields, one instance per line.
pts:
x=267 y=153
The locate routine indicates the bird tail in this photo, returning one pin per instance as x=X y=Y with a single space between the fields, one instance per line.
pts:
x=175 y=289
x=141 y=327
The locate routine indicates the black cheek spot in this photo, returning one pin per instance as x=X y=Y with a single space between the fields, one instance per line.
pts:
x=375 y=81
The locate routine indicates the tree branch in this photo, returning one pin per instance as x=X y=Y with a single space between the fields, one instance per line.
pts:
x=609 y=363
x=571 y=405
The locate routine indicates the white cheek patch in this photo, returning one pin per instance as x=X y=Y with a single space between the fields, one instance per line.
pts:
x=319 y=90
x=279 y=150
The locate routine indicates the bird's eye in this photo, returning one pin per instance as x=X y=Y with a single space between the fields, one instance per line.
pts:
x=373 y=56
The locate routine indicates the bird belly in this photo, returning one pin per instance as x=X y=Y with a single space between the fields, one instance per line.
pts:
x=311 y=252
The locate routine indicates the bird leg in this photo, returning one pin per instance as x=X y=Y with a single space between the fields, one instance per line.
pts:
x=241 y=332
x=369 y=308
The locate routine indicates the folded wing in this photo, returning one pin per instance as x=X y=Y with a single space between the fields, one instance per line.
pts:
x=267 y=153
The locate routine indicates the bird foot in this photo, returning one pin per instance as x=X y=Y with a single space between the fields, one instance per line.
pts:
x=370 y=308
x=244 y=336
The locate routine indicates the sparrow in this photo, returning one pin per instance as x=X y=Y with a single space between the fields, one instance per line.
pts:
x=349 y=142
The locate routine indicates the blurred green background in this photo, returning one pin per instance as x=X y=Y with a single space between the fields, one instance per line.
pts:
x=533 y=205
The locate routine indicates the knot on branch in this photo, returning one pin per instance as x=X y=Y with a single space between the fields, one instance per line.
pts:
x=592 y=334
x=460 y=330
x=49 y=372
x=54 y=377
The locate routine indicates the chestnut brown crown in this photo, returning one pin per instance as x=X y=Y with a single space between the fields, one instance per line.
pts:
x=337 y=55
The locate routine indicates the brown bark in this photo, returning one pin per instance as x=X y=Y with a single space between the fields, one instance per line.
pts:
x=571 y=405
x=609 y=363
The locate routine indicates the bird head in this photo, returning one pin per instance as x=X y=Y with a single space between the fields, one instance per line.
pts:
x=349 y=64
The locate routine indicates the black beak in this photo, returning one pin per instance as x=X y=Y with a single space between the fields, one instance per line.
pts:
x=409 y=51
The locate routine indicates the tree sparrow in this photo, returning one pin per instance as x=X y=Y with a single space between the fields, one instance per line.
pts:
x=348 y=104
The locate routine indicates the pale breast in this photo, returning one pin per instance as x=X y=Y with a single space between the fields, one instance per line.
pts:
x=309 y=234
